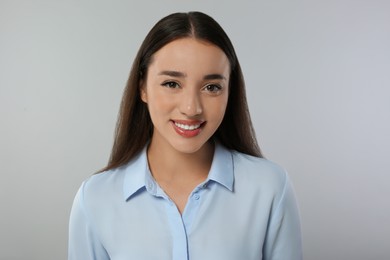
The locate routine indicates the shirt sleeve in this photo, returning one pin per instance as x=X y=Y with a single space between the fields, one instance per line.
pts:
x=83 y=242
x=283 y=239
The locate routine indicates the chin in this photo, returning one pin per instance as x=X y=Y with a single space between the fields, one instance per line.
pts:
x=188 y=148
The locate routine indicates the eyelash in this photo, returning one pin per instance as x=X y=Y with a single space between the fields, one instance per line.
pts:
x=216 y=88
x=174 y=85
x=170 y=84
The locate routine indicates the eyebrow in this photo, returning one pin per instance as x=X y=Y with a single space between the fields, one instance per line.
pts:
x=214 y=76
x=178 y=74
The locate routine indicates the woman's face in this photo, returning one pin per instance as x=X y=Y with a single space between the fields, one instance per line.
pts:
x=186 y=90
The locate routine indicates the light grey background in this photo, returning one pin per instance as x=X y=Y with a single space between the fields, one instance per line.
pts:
x=318 y=85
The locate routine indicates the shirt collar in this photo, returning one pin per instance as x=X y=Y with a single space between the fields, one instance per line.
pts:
x=136 y=170
x=138 y=175
x=221 y=170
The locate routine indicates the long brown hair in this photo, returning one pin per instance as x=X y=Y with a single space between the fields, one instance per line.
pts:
x=134 y=127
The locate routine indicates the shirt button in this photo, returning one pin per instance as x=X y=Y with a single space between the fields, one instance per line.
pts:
x=196 y=196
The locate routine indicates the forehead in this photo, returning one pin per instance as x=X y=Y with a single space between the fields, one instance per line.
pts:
x=191 y=56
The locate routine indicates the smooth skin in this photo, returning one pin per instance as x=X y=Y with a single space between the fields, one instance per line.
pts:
x=186 y=90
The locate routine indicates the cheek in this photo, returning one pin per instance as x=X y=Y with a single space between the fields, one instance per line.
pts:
x=222 y=111
x=159 y=104
x=217 y=108
x=222 y=104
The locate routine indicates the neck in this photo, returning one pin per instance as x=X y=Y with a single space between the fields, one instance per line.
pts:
x=169 y=164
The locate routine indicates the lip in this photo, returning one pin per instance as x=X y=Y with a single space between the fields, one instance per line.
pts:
x=188 y=128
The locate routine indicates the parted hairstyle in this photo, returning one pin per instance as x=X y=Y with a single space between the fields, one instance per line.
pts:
x=134 y=127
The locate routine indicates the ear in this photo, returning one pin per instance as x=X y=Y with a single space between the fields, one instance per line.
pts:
x=142 y=90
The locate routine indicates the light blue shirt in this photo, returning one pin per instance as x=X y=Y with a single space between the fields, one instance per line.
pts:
x=245 y=210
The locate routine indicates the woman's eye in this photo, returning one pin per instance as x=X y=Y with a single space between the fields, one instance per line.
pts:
x=213 y=88
x=170 y=84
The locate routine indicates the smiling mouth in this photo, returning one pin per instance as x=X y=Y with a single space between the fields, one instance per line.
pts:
x=188 y=128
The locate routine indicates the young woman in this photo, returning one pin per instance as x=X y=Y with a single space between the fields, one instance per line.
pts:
x=186 y=178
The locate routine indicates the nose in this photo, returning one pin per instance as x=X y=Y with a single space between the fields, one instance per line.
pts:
x=191 y=104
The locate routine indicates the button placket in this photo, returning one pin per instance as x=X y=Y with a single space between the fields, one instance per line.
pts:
x=196 y=196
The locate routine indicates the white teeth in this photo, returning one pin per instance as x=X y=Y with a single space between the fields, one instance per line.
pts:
x=187 y=127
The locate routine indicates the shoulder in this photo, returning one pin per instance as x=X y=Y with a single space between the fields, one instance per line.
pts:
x=102 y=186
x=257 y=167
x=116 y=184
x=113 y=180
x=258 y=173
